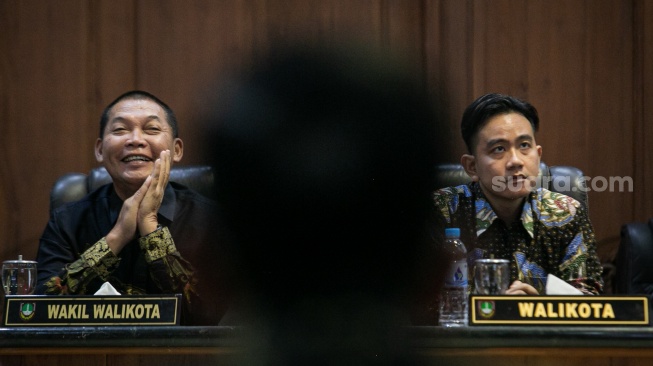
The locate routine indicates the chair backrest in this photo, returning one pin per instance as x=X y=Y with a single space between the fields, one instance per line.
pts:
x=634 y=272
x=74 y=186
x=562 y=179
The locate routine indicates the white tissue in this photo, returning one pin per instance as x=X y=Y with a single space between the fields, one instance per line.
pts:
x=556 y=286
x=107 y=289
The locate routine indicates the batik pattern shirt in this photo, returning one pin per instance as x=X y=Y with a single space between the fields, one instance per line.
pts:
x=74 y=258
x=99 y=262
x=553 y=235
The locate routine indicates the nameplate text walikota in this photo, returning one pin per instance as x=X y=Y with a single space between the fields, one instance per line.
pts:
x=40 y=311
x=559 y=310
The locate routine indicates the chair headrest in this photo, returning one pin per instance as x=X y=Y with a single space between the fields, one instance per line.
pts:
x=451 y=175
x=562 y=179
x=74 y=186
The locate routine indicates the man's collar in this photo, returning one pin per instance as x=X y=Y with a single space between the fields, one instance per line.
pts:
x=167 y=209
x=485 y=215
x=527 y=214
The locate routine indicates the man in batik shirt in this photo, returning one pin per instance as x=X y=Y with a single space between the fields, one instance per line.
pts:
x=502 y=215
x=140 y=233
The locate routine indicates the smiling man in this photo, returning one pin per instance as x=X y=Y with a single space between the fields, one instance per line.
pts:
x=122 y=233
x=502 y=214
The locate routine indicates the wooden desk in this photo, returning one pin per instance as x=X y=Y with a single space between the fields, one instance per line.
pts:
x=527 y=346
x=119 y=346
x=196 y=346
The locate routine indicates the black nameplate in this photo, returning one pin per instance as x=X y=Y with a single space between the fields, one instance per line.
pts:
x=558 y=310
x=55 y=311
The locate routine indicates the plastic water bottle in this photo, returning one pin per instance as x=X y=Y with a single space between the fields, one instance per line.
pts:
x=454 y=297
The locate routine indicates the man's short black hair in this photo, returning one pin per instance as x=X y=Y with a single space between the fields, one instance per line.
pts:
x=488 y=106
x=138 y=95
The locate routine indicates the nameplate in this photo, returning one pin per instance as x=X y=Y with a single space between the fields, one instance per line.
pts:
x=82 y=310
x=559 y=310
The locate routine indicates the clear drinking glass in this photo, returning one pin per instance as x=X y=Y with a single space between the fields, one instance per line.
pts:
x=19 y=276
x=491 y=276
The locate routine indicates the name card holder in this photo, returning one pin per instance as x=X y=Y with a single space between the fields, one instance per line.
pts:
x=559 y=310
x=87 y=310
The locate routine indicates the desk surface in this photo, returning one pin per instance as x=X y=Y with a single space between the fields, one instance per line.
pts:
x=420 y=337
x=198 y=346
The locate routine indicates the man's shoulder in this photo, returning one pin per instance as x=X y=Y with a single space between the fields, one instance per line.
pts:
x=100 y=194
x=447 y=200
x=185 y=194
x=450 y=192
x=554 y=207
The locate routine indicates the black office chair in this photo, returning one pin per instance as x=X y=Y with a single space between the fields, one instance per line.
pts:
x=74 y=186
x=562 y=179
x=634 y=273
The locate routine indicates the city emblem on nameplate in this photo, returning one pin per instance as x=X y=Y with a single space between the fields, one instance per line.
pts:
x=486 y=309
x=27 y=310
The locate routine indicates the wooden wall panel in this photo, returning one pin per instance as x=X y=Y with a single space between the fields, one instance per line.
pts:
x=608 y=116
x=572 y=60
x=44 y=110
x=62 y=62
x=584 y=64
x=500 y=49
x=643 y=109
x=403 y=27
x=181 y=44
x=210 y=38
x=556 y=79
x=112 y=57
x=448 y=65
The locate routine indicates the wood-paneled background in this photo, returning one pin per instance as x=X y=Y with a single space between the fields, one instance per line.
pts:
x=587 y=65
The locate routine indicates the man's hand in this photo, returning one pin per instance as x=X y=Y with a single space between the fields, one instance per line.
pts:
x=125 y=229
x=146 y=219
x=139 y=212
x=520 y=288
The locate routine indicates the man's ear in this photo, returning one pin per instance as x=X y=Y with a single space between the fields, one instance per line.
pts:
x=539 y=151
x=469 y=164
x=98 y=150
x=178 y=150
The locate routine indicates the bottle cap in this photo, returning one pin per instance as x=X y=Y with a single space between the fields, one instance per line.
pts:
x=453 y=232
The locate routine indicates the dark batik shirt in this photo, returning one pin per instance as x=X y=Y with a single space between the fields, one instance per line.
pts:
x=554 y=235
x=178 y=257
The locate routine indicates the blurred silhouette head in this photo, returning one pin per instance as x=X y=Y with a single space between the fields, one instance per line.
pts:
x=324 y=160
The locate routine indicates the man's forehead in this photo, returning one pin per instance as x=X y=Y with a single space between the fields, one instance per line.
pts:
x=137 y=108
x=510 y=126
x=506 y=137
